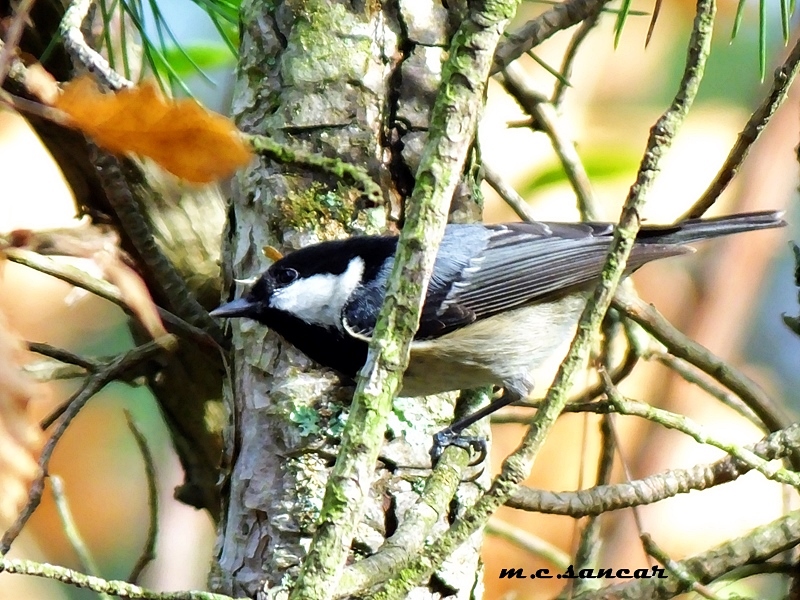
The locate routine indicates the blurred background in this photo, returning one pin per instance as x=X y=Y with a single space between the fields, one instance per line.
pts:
x=729 y=296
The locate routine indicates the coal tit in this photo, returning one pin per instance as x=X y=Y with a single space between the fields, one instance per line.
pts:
x=501 y=299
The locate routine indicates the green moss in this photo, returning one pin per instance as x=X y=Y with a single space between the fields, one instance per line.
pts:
x=321 y=210
x=329 y=213
x=324 y=45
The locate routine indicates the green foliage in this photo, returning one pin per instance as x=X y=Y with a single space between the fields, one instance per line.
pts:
x=622 y=16
x=605 y=162
x=786 y=7
x=165 y=57
x=306 y=419
x=554 y=72
x=189 y=59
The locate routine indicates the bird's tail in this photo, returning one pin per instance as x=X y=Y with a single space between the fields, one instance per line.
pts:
x=695 y=230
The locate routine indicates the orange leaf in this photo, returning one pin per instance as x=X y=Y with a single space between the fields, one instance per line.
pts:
x=180 y=135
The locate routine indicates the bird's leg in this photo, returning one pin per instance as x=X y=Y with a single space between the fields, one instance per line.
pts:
x=453 y=435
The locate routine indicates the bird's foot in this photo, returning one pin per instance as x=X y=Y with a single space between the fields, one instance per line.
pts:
x=475 y=446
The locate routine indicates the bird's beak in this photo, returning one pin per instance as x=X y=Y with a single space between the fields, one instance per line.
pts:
x=241 y=307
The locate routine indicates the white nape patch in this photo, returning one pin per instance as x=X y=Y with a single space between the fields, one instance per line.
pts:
x=320 y=299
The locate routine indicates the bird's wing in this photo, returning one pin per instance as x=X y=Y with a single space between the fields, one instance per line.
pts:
x=523 y=263
x=483 y=270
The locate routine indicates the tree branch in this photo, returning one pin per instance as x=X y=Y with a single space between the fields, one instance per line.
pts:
x=122 y=589
x=453 y=125
x=517 y=466
x=784 y=75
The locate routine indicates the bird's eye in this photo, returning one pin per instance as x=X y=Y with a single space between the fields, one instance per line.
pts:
x=285 y=276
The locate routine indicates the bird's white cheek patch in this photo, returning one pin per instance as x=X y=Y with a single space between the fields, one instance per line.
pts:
x=320 y=299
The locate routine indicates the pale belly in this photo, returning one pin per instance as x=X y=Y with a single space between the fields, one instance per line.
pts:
x=495 y=351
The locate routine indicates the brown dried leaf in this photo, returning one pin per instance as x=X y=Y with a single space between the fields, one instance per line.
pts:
x=183 y=137
x=133 y=290
x=20 y=435
x=101 y=245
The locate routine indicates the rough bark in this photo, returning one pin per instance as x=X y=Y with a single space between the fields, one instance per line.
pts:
x=355 y=82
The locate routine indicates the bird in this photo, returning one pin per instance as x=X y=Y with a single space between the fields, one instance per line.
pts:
x=501 y=299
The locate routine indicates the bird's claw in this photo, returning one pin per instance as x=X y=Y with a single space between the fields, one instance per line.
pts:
x=475 y=446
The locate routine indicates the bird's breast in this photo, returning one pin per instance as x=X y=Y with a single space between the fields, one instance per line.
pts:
x=493 y=351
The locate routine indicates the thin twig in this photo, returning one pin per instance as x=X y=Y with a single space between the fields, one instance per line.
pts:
x=102 y=288
x=122 y=589
x=579 y=403
x=13 y=35
x=528 y=542
x=589 y=23
x=149 y=550
x=590 y=544
x=676 y=568
x=695 y=376
x=85 y=557
x=534 y=32
x=65 y=356
x=508 y=193
x=545 y=117
x=53 y=370
x=653 y=488
x=77 y=47
x=687 y=349
x=685 y=425
x=90 y=387
x=37 y=109
x=781 y=82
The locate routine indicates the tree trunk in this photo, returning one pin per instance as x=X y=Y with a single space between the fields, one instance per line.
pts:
x=355 y=82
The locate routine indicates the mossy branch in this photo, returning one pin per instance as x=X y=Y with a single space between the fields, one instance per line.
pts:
x=517 y=466
x=757 y=546
x=122 y=589
x=453 y=126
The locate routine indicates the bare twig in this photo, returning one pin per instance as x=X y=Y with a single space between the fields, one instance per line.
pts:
x=22 y=11
x=544 y=116
x=683 y=347
x=589 y=545
x=77 y=47
x=71 y=530
x=149 y=550
x=90 y=387
x=685 y=425
x=52 y=370
x=64 y=356
x=508 y=193
x=781 y=82
x=693 y=375
x=589 y=23
x=675 y=568
x=122 y=589
x=534 y=32
x=25 y=106
x=652 y=488
x=528 y=542
x=102 y=288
